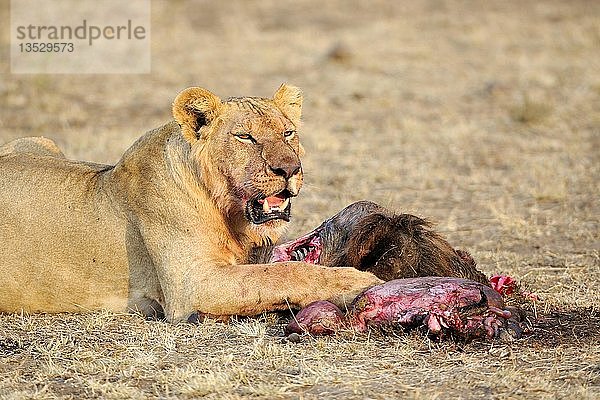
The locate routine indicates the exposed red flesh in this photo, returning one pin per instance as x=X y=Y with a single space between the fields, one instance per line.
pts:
x=503 y=284
x=442 y=304
x=507 y=285
x=312 y=240
x=318 y=318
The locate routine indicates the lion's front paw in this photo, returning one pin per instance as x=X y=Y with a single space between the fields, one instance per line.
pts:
x=351 y=282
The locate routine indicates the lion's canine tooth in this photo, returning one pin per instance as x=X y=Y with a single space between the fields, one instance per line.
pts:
x=266 y=207
x=284 y=204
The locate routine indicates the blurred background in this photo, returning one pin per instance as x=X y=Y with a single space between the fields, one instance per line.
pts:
x=483 y=116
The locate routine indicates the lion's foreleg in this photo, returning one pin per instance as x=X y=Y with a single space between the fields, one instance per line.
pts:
x=252 y=289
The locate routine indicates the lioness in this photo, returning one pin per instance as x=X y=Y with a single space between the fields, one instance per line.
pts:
x=170 y=227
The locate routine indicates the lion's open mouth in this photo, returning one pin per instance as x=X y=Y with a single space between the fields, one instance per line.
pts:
x=262 y=209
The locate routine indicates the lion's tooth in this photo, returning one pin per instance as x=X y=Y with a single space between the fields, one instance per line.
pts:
x=266 y=207
x=285 y=204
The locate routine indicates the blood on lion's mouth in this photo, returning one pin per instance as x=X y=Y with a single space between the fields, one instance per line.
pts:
x=261 y=209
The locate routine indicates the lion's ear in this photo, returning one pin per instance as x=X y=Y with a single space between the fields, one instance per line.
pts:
x=289 y=100
x=194 y=108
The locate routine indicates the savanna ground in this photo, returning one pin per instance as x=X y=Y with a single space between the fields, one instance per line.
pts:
x=483 y=116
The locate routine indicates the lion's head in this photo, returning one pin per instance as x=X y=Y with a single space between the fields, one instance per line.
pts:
x=247 y=150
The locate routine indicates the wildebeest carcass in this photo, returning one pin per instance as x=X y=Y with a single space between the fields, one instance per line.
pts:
x=445 y=293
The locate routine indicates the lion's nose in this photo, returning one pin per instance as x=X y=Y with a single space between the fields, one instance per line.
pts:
x=287 y=170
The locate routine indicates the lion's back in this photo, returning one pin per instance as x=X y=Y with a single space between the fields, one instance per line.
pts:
x=34 y=145
x=59 y=233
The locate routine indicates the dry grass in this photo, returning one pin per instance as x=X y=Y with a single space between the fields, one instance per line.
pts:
x=484 y=116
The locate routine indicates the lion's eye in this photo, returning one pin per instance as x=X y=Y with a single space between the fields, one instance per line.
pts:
x=245 y=138
x=288 y=135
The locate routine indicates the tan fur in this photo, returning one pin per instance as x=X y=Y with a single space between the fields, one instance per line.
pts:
x=164 y=227
x=38 y=145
